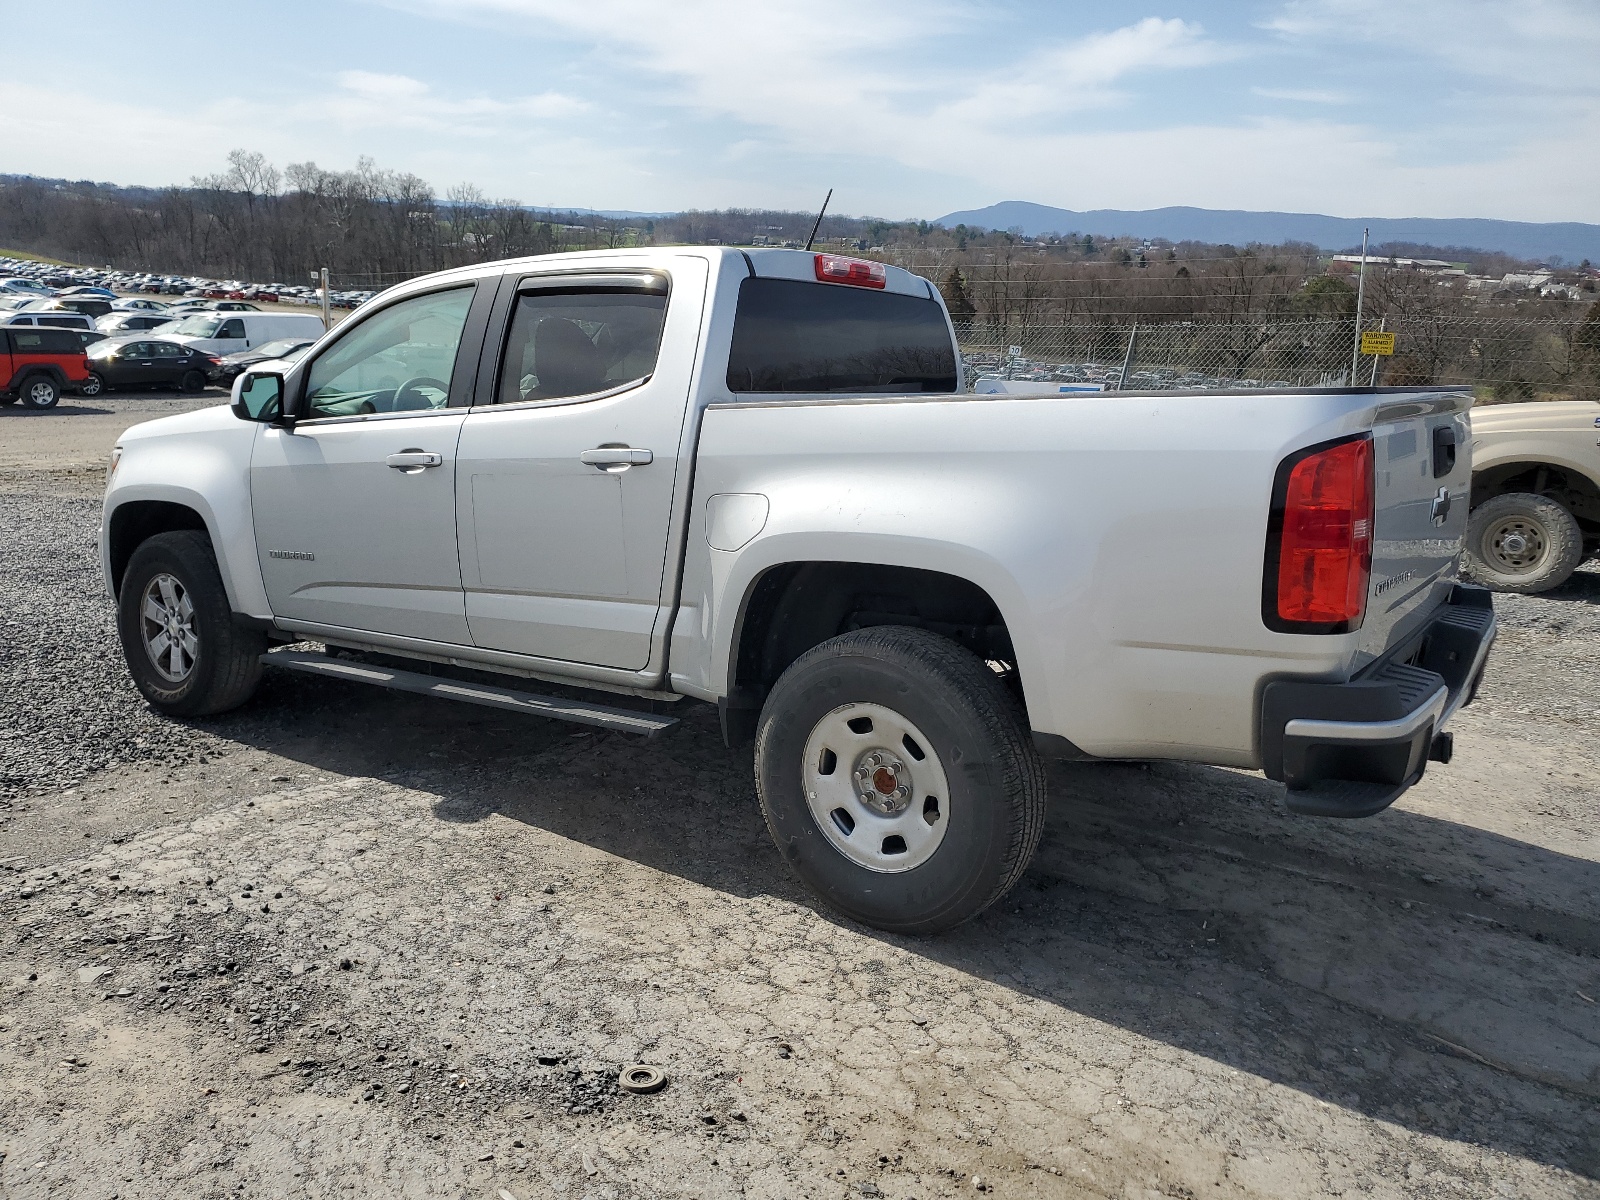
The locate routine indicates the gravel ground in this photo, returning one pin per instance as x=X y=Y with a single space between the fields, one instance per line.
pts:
x=353 y=942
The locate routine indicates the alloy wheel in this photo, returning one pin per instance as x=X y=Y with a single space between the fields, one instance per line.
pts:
x=166 y=621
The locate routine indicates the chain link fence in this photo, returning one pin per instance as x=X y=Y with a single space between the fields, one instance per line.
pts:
x=1510 y=359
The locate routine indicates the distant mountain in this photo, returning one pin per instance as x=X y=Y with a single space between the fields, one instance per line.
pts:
x=1571 y=240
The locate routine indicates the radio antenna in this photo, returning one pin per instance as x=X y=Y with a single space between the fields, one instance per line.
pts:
x=818 y=225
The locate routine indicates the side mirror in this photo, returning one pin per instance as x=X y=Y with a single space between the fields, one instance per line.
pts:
x=258 y=397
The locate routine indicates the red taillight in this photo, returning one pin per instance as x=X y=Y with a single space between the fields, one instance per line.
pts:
x=1323 y=523
x=835 y=268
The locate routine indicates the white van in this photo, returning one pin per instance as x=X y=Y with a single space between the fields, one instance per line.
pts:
x=229 y=332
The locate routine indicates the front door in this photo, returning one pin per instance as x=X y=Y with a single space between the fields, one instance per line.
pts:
x=355 y=506
x=565 y=477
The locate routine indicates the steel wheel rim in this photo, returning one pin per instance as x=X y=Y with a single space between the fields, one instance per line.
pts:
x=876 y=788
x=41 y=393
x=1517 y=545
x=166 y=625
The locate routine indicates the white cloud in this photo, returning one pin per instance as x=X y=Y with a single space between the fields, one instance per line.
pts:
x=1303 y=95
x=366 y=99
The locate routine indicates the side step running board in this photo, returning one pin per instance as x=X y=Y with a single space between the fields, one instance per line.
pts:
x=579 y=711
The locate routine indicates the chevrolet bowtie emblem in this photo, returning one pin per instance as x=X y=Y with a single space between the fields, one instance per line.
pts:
x=1441 y=506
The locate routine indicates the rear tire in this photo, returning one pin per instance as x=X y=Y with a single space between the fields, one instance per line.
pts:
x=40 y=391
x=193 y=382
x=172 y=594
x=1522 y=542
x=92 y=385
x=872 y=732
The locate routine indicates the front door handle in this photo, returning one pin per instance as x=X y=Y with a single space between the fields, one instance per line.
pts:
x=617 y=457
x=413 y=461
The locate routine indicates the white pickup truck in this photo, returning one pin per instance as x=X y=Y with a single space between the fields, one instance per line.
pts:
x=755 y=479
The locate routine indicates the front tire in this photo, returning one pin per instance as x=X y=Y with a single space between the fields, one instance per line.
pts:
x=186 y=655
x=1522 y=542
x=899 y=779
x=40 y=392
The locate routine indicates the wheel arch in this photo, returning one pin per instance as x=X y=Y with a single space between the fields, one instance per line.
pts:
x=789 y=607
x=1563 y=482
x=136 y=521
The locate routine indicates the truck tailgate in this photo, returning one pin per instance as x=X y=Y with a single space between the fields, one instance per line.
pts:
x=1422 y=481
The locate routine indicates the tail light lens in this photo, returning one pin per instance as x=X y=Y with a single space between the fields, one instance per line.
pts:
x=835 y=268
x=1319 y=540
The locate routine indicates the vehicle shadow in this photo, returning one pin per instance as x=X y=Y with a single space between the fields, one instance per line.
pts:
x=1420 y=972
x=61 y=410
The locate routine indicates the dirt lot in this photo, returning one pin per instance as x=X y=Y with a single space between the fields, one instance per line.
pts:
x=356 y=943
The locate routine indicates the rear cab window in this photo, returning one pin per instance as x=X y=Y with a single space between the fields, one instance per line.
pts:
x=794 y=336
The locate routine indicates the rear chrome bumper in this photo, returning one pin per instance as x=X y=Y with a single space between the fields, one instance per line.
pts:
x=1350 y=749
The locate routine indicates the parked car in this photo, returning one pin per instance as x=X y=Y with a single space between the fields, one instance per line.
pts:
x=53 y=320
x=150 y=362
x=136 y=303
x=754 y=478
x=1535 y=494
x=133 y=322
x=38 y=365
x=229 y=332
x=286 y=350
x=26 y=287
x=99 y=292
x=93 y=306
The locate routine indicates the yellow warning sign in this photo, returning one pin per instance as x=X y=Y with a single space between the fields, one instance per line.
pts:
x=1374 y=342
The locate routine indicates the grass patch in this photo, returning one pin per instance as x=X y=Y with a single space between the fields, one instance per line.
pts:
x=32 y=257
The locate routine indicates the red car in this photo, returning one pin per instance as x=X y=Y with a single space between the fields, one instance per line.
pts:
x=37 y=364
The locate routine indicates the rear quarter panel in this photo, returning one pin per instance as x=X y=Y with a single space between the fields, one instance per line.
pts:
x=1121 y=536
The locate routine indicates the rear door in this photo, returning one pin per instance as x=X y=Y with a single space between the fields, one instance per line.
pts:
x=568 y=461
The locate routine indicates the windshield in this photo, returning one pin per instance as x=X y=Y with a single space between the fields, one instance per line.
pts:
x=198 y=326
x=278 y=348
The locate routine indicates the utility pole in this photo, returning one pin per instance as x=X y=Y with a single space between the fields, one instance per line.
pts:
x=1127 y=359
x=1361 y=292
x=327 y=304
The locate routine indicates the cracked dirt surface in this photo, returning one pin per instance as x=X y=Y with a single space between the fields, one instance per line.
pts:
x=357 y=943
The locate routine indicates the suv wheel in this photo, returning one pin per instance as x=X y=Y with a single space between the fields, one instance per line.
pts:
x=899 y=779
x=92 y=385
x=1522 y=542
x=40 y=392
x=186 y=655
x=193 y=381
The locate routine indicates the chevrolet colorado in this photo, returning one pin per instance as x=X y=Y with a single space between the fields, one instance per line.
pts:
x=754 y=479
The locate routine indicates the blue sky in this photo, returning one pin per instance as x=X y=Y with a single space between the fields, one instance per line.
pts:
x=1440 y=108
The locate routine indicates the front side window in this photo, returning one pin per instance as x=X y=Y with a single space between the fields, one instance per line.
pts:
x=577 y=342
x=231 y=329
x=398 y=360
x=790 y=336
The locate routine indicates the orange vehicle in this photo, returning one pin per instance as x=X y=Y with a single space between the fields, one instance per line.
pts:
x=38 y=364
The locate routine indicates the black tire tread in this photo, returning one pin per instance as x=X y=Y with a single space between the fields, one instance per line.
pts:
x=999 y=711
x=1567 y=556
x=234 y=653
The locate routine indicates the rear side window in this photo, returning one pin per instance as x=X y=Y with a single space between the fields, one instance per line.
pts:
x=45 y=341
x=574 y=343
x=790 y=336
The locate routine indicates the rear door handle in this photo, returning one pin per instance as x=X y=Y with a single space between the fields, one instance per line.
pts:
x=617 y=456
x=412 y=461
